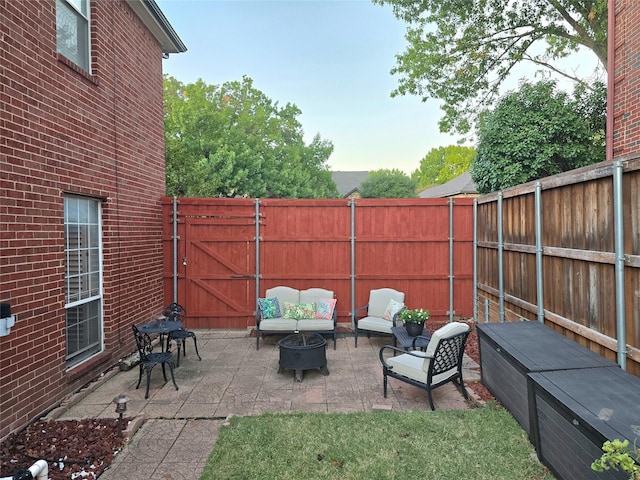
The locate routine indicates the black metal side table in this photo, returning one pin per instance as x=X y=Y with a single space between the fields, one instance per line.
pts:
x=406 y=341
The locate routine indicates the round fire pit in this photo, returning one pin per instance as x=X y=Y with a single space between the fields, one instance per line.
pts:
x=303 y=351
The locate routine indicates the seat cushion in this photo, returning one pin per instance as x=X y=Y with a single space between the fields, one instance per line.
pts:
x=375 y=324
x=279 y=324
x=417 y=368
x=315 y=325
x=409 y=366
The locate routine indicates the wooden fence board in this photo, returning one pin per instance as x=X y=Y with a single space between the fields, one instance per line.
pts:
x=578 y=256
x=403 y=244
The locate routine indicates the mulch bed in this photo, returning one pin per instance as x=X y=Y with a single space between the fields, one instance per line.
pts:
x=79 y=449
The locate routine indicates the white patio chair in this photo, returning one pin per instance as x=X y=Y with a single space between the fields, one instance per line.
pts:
x=374 y=321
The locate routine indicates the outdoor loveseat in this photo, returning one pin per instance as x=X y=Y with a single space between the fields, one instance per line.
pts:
x=287 y=310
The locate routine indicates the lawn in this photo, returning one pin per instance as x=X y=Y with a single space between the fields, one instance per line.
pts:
x=483 y=443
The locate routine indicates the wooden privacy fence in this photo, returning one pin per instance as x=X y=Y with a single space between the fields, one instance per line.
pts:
x=565 y=250
x=221 y=254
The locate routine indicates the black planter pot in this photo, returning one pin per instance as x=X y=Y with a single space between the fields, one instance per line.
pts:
x=414 y=329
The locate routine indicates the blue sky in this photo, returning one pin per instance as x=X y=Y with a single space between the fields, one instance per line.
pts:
x=331 y=58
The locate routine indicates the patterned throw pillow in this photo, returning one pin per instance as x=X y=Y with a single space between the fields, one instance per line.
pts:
x=392 y=308
x=324 y=308
x=270 y=307
x=299 y=311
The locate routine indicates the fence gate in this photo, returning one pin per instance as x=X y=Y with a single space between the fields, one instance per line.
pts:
x=215 y=260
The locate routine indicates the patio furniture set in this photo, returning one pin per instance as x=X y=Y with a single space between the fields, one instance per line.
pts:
x=168 y=326
x=308 y=314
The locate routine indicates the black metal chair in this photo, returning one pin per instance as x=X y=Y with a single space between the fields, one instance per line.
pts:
x=175 y=311
x=440 y=364
x=149 y=359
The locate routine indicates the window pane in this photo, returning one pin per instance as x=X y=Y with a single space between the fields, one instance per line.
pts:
x=83 y=331
x=72 y=31
x=83 y=278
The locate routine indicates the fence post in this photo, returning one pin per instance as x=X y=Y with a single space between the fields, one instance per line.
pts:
x=475 y=260
x=539 y=277
x=451 y=311
x=618 y=219
x=352 y=204
x=500 y=260
x=257 y=220
x=175 y=249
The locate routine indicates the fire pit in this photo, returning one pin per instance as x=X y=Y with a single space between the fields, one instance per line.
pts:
x=303 y=351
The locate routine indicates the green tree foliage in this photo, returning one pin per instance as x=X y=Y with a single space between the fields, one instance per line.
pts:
x=388 y=184
x=443 y=164
x=461 y=51
x=233 y=140
x=539 y=131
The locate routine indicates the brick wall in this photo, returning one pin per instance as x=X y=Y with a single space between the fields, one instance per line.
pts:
x=67 y=131
x=626 y=93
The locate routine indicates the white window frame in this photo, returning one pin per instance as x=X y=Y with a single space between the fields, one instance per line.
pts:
x=78 y=49
x=84 y=334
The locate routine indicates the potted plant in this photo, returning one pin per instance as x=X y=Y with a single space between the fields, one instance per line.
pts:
x=414 y=320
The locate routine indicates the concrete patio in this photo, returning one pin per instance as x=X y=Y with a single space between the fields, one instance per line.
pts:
x=175 y=431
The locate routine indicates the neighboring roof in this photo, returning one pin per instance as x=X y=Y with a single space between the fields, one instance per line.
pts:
x=461 y=185
x=348 y=182
x=153 y=18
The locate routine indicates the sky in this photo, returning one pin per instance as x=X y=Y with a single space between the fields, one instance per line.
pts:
x=331 y=58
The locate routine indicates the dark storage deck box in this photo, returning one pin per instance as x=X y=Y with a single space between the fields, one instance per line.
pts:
x=576 y=411
x=509 y=351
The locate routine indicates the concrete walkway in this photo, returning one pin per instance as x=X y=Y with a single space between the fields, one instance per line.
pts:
x=174 y=431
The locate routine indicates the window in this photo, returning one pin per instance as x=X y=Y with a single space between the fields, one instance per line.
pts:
x=83 y=278
x=72 y=28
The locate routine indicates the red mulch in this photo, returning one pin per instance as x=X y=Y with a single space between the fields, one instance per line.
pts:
x=68 y=446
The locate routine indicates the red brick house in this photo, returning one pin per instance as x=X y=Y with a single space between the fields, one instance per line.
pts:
x=623 y=115
x=81 y=178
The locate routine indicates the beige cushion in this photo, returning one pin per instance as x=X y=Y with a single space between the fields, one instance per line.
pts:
x=379 y=299
x=314 y=295
x=449 y=330
x=283 y=294
x=375 y=324
x=417 y=368
x=314 y=324
x=279 y=324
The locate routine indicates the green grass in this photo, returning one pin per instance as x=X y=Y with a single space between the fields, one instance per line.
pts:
x=483 y=443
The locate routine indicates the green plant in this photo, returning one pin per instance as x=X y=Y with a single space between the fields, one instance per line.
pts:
x=619 y=456
x=414 y=316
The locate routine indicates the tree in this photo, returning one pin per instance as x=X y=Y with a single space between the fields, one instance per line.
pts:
x=388 y=184
x=461 y=51
x=443 y=164
x=539 y=131
x=233 y=140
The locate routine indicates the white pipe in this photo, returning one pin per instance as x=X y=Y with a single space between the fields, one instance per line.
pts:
x=38 y=471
